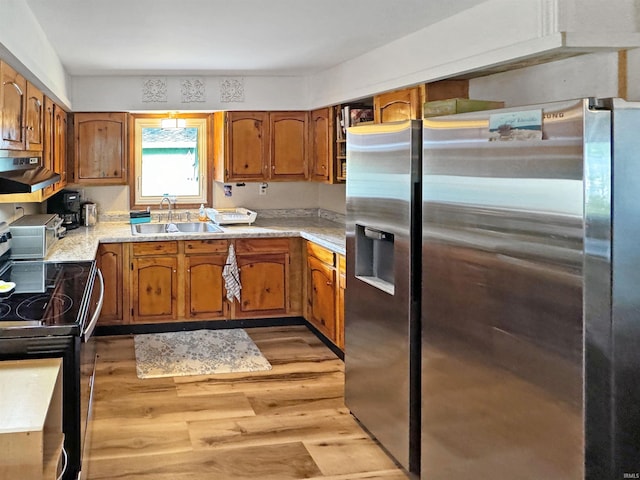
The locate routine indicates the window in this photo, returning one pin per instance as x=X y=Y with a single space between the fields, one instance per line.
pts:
x=170 y=161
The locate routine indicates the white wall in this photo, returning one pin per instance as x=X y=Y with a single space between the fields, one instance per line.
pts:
x=593 y=75
x=496 y=32
x=124 y=93
x=24 y=45
x=280 y=195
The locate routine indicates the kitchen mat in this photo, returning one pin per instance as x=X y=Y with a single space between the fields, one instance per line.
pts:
x=197 y=352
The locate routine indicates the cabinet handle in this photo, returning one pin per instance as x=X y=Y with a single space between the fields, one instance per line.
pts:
x=329 y=283
x=37 y=102
x=15 y=85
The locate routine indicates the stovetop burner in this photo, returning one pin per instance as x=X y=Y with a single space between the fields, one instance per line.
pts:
x=44 y=292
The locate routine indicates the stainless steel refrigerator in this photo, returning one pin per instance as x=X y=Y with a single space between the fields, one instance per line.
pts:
x=531 y=293
x=381 y=306
x=494 y=333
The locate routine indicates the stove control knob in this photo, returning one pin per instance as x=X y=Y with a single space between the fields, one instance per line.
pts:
x=9 y=236
x=3 y=238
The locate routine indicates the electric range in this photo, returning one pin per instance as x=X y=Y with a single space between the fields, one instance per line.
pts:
x=49 y=309
x=48 y=298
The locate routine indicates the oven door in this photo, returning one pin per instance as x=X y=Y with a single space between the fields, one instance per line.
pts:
x=88 y=369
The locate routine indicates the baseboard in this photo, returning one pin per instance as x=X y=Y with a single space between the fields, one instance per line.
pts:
x=103 y=330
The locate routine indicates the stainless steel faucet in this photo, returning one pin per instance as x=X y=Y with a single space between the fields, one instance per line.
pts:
x=170 y=214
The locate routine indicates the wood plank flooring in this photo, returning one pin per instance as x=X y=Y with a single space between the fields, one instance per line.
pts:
x=287 y=423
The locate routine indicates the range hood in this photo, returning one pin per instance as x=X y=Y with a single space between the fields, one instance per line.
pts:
x=22 y=172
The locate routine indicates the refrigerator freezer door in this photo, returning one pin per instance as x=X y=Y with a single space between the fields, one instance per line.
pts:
x=502 y=325
x=381 y=377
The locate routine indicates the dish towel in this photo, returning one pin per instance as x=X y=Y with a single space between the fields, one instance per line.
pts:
x=231 y=275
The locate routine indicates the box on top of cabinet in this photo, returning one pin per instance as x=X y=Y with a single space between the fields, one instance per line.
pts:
x=457 y=105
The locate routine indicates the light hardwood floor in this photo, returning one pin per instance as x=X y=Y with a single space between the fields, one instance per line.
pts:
x=287 y=423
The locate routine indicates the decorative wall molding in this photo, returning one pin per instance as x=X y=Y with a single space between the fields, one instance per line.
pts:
x=232 y=90
x=193 y=90
x=154 y=90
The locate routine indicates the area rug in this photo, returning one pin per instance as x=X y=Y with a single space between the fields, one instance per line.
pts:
x=198 y=352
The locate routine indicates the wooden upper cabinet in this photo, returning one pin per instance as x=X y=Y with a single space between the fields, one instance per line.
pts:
x=100 y=148
x=260 y=146
x=321 y=145
x=34 y=119
x=288 y=156
x=13 y=94
x=398 y=105
x=248 y=145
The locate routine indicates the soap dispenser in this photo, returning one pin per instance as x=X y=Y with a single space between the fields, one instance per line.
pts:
x=202 y=215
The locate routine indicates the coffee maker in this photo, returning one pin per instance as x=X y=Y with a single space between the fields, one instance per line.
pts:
x=66 y=203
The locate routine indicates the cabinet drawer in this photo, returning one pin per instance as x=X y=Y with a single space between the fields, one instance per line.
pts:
x=321 y=253
x=154 y=248
x=205 y=246
x=259 y=245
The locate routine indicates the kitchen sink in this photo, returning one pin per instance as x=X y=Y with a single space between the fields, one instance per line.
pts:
x=187 y=227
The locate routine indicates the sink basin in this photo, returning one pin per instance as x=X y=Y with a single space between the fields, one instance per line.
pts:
x=188 y=227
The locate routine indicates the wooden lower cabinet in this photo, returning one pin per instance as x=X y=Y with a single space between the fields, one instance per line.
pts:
x=342 y=286
x=270 y=277
x=325 y=292
x=112 y=260
x=204 y=286
x=158 y=282
x=154 y=281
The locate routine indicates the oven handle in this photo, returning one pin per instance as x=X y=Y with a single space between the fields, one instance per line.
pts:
x=94 y=318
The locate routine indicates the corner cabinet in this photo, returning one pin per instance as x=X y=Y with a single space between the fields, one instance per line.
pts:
x=322 y=168
x=325 y=292
x=100 y=146
x=113 y=260
x=260 y=146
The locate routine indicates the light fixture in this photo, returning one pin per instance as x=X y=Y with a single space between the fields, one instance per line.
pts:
x=173 y=122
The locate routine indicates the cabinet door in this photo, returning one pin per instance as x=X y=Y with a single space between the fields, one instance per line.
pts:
x=342 y=286
x=247 y=153
x=322 y=297
x=397 y=106
x=205 y=287
x=264 y=285
x=321 y=145
x=34 y=119
x=13 y=92
x=47 y=141
x=155 y=289
x=111 y=262
x=288 y=152
x=100 y=148
x=60 y=129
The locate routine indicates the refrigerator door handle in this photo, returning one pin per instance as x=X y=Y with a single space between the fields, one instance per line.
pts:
x=374 y=234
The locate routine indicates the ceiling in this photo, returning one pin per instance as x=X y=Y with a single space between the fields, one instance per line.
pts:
x=232 y=37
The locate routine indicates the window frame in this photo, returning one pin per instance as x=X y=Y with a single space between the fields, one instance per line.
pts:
x=140 y=120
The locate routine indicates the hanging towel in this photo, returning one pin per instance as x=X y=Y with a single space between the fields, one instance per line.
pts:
x=231 y=276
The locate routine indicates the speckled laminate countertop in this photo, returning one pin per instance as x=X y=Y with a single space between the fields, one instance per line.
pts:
x=82 y=243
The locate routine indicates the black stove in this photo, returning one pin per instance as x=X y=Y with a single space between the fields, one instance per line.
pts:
x=46 y=296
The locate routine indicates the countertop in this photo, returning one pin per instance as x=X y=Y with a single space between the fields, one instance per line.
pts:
x=82 y=243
